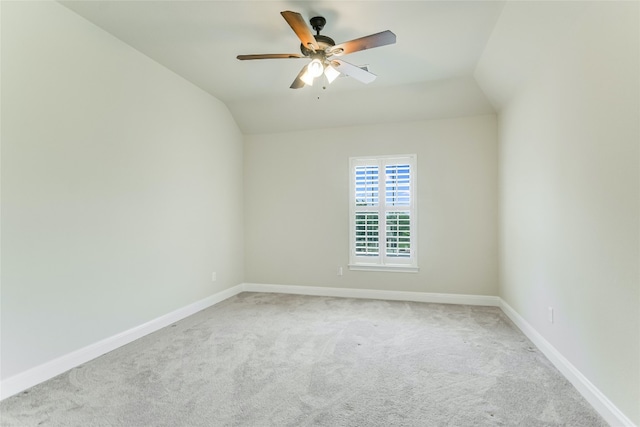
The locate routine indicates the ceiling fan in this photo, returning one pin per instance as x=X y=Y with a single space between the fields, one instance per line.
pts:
x=324 y=52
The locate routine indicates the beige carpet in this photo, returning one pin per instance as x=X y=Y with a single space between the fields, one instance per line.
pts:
x=288 y=360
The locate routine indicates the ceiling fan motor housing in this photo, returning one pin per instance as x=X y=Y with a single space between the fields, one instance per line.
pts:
x=323 y=41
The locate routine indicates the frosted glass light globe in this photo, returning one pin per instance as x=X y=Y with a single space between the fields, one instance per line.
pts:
x=315 y=68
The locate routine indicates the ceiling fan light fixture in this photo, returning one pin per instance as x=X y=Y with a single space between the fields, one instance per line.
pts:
x=315 y=68
x=331 y=73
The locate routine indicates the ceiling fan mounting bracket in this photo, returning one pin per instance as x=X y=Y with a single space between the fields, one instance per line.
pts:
x=317 y=23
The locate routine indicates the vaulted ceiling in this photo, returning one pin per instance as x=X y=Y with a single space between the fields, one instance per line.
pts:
x=428 y=73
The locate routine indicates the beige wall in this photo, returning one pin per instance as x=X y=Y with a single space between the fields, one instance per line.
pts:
x=121 y=187
x=296 y=205
x=569 y=150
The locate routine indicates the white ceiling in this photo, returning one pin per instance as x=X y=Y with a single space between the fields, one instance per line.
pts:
x=428 y=73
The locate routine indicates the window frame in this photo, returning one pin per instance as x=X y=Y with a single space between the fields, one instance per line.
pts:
x=382 y=261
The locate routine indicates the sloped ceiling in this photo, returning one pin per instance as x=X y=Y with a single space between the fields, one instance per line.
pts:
x=428 y=73
x=524 y=36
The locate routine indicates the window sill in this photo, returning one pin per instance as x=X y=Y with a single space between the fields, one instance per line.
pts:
x=385 y=268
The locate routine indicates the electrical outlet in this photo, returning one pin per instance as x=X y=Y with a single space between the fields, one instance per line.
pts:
x=214 y=277
x=339 y=271
x=550 y=314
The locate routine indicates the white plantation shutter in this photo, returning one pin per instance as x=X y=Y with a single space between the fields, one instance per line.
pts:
x=383 y=213
x=367 y=200
x=367 y=234
x=398 y=234
x=398 y=185
x=367 y=185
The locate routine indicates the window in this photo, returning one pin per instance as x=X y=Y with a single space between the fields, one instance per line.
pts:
x=383 y=213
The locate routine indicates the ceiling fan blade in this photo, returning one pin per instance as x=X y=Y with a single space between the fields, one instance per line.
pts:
x=270 y=56
x=368 y=42
x=299 y=26
x=353 y=71
x=298 y=83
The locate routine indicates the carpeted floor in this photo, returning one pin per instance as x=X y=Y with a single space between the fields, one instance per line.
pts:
x=289 y=360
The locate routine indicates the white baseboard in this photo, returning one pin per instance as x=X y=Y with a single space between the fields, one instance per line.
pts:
x=590 y=392
x=375 y=294
x=48 y=370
